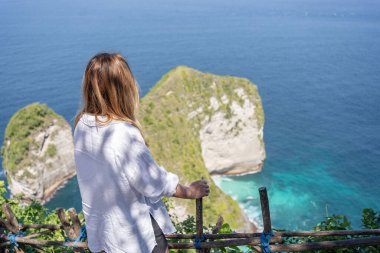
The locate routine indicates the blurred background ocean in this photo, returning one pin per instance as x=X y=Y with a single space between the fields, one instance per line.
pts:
x=316 y=64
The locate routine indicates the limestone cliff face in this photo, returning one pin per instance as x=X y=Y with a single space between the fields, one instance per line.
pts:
x=38 y=152
x=233 y=145
x=199 y=124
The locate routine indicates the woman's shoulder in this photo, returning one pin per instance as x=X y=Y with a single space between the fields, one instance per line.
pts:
x=127 y=130
x=103 y=121
x=123 y=125
x=120 y=129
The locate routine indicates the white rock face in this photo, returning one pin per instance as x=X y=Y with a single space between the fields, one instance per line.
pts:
x=46 y=172
x=233 y=145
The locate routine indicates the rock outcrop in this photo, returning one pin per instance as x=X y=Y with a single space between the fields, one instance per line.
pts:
x=38 y=152
x=233 y=145
x=196 y=124
x=199 y=124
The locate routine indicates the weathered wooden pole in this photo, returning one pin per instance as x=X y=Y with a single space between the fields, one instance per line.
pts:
x=75 y=220
x=65 y=223
x=12 y=225
x=277 y=237
x=215 y=230
x=265 y=210
x=72 y=231
x=327 y=245
x=199 y=221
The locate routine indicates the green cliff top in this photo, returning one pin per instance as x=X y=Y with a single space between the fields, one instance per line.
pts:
x=18 y=139
x=174 y=138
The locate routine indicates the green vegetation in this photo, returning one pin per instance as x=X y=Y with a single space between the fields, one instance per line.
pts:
x=370 y=220
x=164 y=113
x=18 y=139
x=174 y=139
x=35 y=213
x=51 y=150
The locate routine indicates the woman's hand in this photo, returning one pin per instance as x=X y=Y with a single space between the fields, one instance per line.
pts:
x=196 y=190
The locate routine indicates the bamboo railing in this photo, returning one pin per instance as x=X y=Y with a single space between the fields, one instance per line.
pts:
x=202 y=242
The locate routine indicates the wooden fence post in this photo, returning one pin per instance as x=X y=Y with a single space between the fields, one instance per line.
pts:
x=218 y=225
x=199 y=221
x=265 y=210
x=12 y=225
x=71 y=231
x=75 y=220
x=65 y=223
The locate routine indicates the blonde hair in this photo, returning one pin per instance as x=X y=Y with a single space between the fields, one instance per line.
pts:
x=109 y=89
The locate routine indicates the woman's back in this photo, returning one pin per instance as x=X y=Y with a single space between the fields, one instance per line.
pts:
x=101 y=182
x=116 y=213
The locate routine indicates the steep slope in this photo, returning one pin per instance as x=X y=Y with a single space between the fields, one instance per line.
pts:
x=37 y=152
x=180 y=111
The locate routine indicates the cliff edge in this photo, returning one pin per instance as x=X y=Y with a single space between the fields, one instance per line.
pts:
x=199 y=124
x=38 y=152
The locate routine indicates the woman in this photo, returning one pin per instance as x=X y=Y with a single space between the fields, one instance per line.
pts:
x=120 y=184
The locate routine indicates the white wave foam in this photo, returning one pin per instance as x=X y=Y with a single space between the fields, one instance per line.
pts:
x=254 y=214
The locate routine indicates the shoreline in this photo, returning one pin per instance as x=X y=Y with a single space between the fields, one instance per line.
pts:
x=50 y=192
x=254 y=225
x=238 y=171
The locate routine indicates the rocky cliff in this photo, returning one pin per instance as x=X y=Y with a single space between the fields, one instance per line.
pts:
x=199 y=124
x=38 y=152
x=232 y=139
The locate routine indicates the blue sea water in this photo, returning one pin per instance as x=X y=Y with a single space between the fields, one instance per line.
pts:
x=316 y=64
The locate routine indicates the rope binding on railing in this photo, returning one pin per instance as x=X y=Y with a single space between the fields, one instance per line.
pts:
x=81 y=238
x=12 y=237
x=198 y=241
x=265 y=240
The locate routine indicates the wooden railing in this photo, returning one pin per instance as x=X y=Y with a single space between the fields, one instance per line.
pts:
x=201 y=241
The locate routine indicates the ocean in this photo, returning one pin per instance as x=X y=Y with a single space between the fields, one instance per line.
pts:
x=316 y=64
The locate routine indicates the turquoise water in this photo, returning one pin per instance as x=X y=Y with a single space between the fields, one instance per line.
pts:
x=299 y=198
x=316 y=64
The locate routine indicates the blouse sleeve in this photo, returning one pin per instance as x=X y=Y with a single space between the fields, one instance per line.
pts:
x=141 y=170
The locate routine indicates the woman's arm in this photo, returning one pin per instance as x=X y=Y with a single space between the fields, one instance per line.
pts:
x=197 y=189
x=144 y=175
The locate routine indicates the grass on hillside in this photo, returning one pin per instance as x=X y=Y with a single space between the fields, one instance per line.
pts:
x=18 y=135
x=174 y=139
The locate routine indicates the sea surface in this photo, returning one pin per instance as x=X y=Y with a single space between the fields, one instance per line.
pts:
x=316 y=64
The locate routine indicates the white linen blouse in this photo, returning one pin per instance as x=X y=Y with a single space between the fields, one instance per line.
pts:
x=120 y=184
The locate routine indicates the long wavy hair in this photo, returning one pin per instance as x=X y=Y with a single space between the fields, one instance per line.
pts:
x=109 y=89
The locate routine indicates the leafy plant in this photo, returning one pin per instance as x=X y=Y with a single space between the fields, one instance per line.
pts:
x=35 y=213
x=370 y=219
